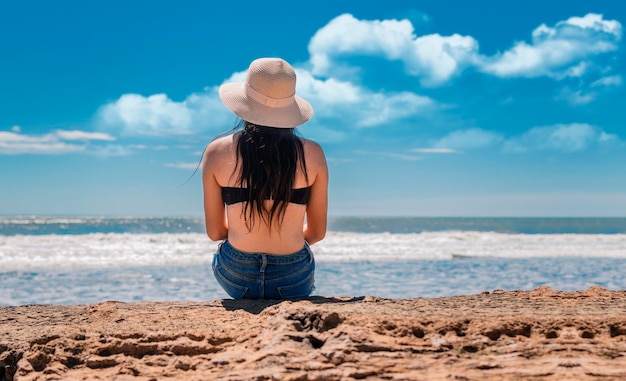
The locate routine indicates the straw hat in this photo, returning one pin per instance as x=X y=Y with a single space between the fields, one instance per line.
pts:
x=268 y=95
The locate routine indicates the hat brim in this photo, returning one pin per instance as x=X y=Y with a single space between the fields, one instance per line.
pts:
x=292 y=115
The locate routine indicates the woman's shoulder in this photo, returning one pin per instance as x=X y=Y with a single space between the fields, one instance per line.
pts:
x=221 y=145
x=218 y=152
x=311 y=146
x=313 y=153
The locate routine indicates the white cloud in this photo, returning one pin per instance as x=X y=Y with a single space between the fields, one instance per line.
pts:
x=16 y=128
x=434 y=58
x=144 y=147
x=572 y=137
x=327 y=94
x=563 y=50
x=468 y=139
x=83 y=135
x=586 y=94
x=15 y=143
x=614 y=80
x=379 y=109
x=577 y=97
x=394 y=155
x=436 y=150
x=110 y=150
x=12 y=143
x=340 y=103
x=148 y=115
x=158 y=115
x=180 y=165
x=347 y=35
x=332 y=99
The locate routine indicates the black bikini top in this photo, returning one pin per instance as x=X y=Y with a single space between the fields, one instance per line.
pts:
x=232 y=195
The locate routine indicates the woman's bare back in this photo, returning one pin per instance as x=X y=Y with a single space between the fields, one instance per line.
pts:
x=287 y=235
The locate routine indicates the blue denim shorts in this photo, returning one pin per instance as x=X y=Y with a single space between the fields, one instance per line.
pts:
x=264 y=276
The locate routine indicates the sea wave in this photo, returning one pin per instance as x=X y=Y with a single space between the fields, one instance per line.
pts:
x=108 y=250
x=41 y=225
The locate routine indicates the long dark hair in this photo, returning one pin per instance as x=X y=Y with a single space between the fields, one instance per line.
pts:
x=267 y=163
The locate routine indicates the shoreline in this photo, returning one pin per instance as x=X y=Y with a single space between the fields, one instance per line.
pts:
x=540 y=334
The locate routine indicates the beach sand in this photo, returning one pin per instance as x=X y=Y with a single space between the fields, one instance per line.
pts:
x=515 y=335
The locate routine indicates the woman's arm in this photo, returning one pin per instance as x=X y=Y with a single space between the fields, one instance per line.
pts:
x=317 y=208
x=214 y=209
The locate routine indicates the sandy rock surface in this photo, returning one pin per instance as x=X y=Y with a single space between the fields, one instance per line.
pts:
x=519 y=335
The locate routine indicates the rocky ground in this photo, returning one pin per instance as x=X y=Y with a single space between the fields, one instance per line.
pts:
x=518 y=335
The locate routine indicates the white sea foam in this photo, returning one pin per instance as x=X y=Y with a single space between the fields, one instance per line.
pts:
x=446 y=245
x=50 y=220
x=98 y=250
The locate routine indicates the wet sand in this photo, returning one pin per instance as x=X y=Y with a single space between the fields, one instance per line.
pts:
x=515 y=335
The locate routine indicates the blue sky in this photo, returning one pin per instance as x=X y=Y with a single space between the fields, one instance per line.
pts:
x=424 y=108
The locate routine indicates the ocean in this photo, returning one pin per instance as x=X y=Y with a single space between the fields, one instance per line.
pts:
x=82 y=260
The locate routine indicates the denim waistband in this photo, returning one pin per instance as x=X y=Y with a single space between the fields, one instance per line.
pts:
x=244 y=257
